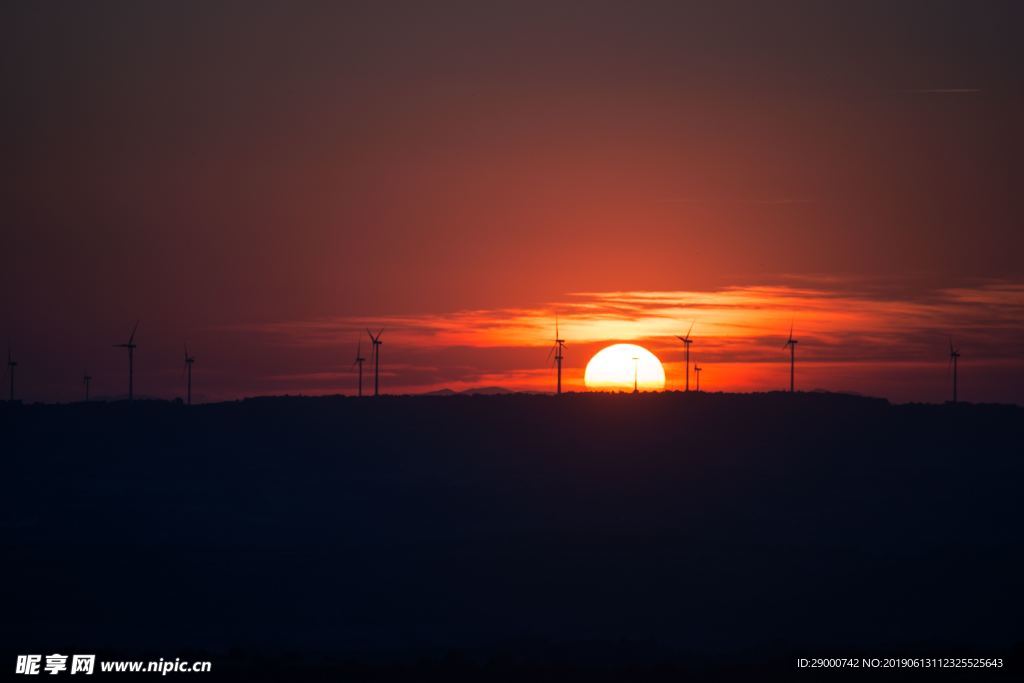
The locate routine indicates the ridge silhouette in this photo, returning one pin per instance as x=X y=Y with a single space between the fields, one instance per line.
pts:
x=659 y=528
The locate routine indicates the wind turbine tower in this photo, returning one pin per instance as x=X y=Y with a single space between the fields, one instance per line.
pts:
x=11 y=364
x=686 y=342
x=131 y=360
x=636 y=375
x=188 y=369
x=359 y=361
x=791 y=343
x=954 y=355
x=376 y=360
x=696 y=371
x=86 y=379
x=559 y=350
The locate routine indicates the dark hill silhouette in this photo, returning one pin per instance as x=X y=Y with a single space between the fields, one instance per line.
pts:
x=440 y=392
x=514 y=537
x=472 y=391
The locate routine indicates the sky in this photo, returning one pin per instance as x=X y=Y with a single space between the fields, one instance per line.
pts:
x=265 y=180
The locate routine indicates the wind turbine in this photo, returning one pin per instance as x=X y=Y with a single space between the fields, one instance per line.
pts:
x=954 y=355
x=359 y=361
x=686 y=342
x=11 y=364
x=696 y=371
x=791 y=343
x=636 y=375
x=376 y=360
x=131 y=360
x=86 y=379
x=558 y=350
x=188 y=368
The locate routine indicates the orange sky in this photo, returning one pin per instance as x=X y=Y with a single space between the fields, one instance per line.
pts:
x=263 y=179
x=849 y=341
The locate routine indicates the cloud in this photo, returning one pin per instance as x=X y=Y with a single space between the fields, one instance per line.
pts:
x=737 y=328
x=758 y=201
x=943 y=91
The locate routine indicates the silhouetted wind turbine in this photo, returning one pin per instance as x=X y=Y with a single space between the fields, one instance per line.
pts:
x=376 y=360
x=131 y=360
x=188 y=368
x=696 y=371
x=11 y=364
x=359 y=361
x=86 y=379
x=636 y=375
x=954 y=355
x=791 y=343
x=558 y=350
x=686 y=342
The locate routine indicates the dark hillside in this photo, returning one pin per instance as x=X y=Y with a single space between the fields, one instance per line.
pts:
x=584 y=534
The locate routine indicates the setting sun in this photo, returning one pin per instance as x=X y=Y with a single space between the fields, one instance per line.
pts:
x=616 y=367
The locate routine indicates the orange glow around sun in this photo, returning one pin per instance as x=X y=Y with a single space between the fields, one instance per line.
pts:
x=850 y=340
x=620 y=367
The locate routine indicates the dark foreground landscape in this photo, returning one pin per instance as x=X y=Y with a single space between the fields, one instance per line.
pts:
x=599 y=537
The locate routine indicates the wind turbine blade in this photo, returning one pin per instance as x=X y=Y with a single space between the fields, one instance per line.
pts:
x=132 y=337
x=691 y=328
x=551 y=351
x=369 y=333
